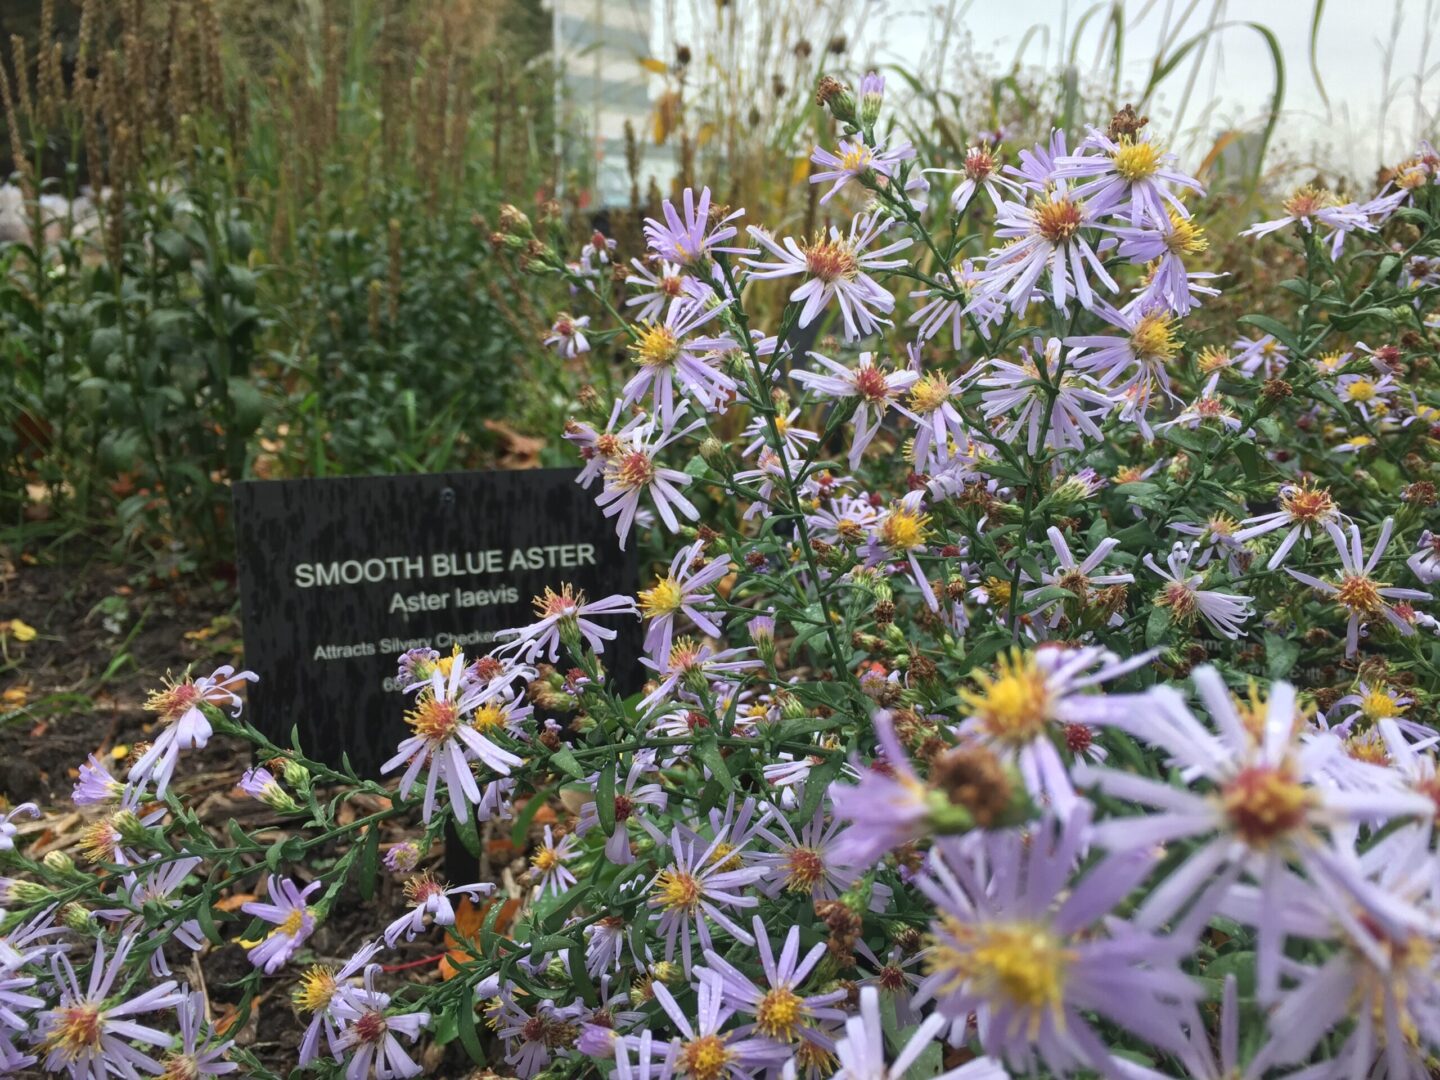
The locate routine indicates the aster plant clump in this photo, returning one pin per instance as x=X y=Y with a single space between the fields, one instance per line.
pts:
x=1038 y=676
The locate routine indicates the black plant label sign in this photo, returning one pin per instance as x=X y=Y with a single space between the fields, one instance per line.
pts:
x=339 y=576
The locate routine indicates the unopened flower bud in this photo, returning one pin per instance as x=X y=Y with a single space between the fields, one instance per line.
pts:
x=514 y=221
x=762 y=633
x=58 y=862
x=872 y=95
x=712 y=452
x=77 y=917
x=131 y=829
x=20 y=891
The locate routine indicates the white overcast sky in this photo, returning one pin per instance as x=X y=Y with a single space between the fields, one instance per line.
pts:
x=1354 y=39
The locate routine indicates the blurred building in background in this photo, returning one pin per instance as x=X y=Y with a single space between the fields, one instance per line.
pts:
x=602 y=48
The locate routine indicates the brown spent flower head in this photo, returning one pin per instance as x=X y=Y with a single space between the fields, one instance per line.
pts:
x=1126 y=123
x=973 y=777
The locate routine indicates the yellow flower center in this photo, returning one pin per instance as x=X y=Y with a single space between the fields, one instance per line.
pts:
x=705 y=1058
x=293 y=924
x=1361 y=389
x=780 y=1014
x=489 y=718
x=1306 y=201
x=656 y=347
x=929 y=392
x=1136 y=160
x=76 y=1032
x=1185 y=237
x=545 y=860
x=725 y=857
x=317 y=987
x=857 y=159
x=1307 y=504
x=1379 y=703
x=1013 y=703
x=903 y=531
x=1265 y=803
x=1153 y=338
x=675 y=890
x=1357 y=593
x=831 y=260
x=663 y=599
x=1057 y=219
x=1020 y=964
x=433 y=719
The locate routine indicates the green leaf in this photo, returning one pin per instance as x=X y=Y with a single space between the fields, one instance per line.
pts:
x=469 y=1037
x=605 y=799
x=565 y=760
x=817 y=784
x=1157 y=626
x=708 y=754
x=1266 y=325
x=369 y=862
x=1281 y=653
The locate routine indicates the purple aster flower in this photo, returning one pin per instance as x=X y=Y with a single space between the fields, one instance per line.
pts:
x=873 y=387
x=1036 y=170
x=1018 y=393
x=780 y=1013
x=691 y=666
x=8 y=828
x=813 y=861
x=292 y=918
x=1308 y=207
x=931 y=406
x=567 y=335
x=956 y=297
x=157 y=887
x=548 y=864
x=902 y=535
x=633 y=470
x=667 y=355
x=26 y=944
x=862 y=1050
x=704 y=1049
x=560 y=614
x=981 y=171
x=689 y=239
x=96 y=785
x=1028 y=952
x=1264 y=354
x=1046 y=235
x=1207 y=407
x=1369 y=396
x=429 y=901
x=838 y=268
x=792 y=437
x=1185 y=599
x=260 y=783
x=662 y=288
x=180 y=708
x=1304 y=509
x=631 y=797
x=686 y=589
x=887 y=808
x=1272 y=805
x=1033 y=700
x=199 y=1053
x=415 y=666
x=316 y=992
x=88 y=1036
x=446 y=739
x=854 y=161
x=1129 y=177
x=1167 y=247
x=694 y=888
x=1147 y=348
x=1078 y=576
x=371 y=1033
x=1363 y=599
x=1425 y=563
